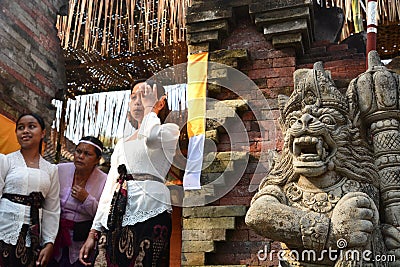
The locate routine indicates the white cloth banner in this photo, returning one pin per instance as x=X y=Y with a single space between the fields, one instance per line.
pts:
x=194 y=164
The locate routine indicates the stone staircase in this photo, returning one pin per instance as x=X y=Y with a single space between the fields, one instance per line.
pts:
x=204 y=225
x=220 y=167
x=202 y=228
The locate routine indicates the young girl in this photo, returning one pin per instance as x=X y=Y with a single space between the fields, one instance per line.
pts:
x=29 y=203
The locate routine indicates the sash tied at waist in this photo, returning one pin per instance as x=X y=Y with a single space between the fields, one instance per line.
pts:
x=35 y=201
x=119 y=200
x=63 y=238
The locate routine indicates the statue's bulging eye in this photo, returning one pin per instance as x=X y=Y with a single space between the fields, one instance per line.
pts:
x=292 y=121
x=328 y=120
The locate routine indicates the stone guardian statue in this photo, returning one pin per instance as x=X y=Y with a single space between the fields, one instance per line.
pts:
x=321 y=199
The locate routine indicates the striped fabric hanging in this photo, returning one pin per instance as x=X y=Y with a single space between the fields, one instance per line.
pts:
x=102 y=115
x=196 y=101
x=176 y=96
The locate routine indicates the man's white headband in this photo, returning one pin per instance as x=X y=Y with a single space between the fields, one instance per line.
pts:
x=91 y=143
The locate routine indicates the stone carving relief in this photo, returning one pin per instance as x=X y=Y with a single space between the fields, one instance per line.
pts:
x=336 y=186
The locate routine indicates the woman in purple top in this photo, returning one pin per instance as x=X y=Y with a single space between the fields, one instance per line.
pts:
x=81 y=184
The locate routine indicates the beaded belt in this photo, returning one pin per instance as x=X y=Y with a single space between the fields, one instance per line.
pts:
x=143 y=177
x=136 y=176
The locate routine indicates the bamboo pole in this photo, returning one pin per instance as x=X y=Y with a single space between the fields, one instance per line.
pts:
x=60 y=133
x=99 y=12
x=109 y=27
x=104 y=35
x=120 y=27
x=79 y=24
x=69 y=24
x=88 y=25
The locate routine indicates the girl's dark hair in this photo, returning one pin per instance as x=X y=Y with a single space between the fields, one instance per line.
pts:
x=36 y=116
x=95 y=141
x=163 y=114
x=39 y=120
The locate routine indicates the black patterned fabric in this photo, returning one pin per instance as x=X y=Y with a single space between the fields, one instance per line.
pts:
x=144 y=244
x=20 y=255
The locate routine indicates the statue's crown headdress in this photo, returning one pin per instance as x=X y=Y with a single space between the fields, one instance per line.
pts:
x=315 y=87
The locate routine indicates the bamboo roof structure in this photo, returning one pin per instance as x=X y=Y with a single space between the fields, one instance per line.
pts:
x=109 y=43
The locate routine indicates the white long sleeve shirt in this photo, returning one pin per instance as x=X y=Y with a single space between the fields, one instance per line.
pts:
x=151 y=153
x=17 y=178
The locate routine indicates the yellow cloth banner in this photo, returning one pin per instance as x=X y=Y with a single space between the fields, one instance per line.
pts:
x=8 y=139
x=196 y=93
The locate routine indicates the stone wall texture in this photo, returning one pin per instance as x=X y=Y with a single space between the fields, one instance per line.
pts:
x=32 y=67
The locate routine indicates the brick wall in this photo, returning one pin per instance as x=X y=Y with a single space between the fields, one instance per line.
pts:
x=343 y=63
x=272 y=70
x=31 y=61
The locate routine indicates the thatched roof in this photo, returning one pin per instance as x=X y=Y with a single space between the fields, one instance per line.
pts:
x=90 y=72
x=107 y=44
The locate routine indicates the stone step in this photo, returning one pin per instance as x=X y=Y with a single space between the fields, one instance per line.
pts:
x=224 y=54
x=217 y=73
x=286 y=40
x=193 y=258
x=196 y=16
x=238 y=105
x=208 y=223
x=201 y=37
x=208 y=192
x=195 y=246
x=220 y=162
x=276 y=16
x=224 y=115
x=195 y=198
x=221 y=115
x=204 y=235
x=214 y=211
x=215 y=178
x=221 y=25
x=289 y=27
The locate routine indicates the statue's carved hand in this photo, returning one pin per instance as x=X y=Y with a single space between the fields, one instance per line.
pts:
x=391 y=235
x=353 y=219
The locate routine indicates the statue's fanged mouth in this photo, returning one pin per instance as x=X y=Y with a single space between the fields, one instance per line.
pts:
x=310 y=149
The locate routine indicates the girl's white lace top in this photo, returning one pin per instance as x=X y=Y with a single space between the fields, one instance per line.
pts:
x=151 y=153
x=17 y=178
